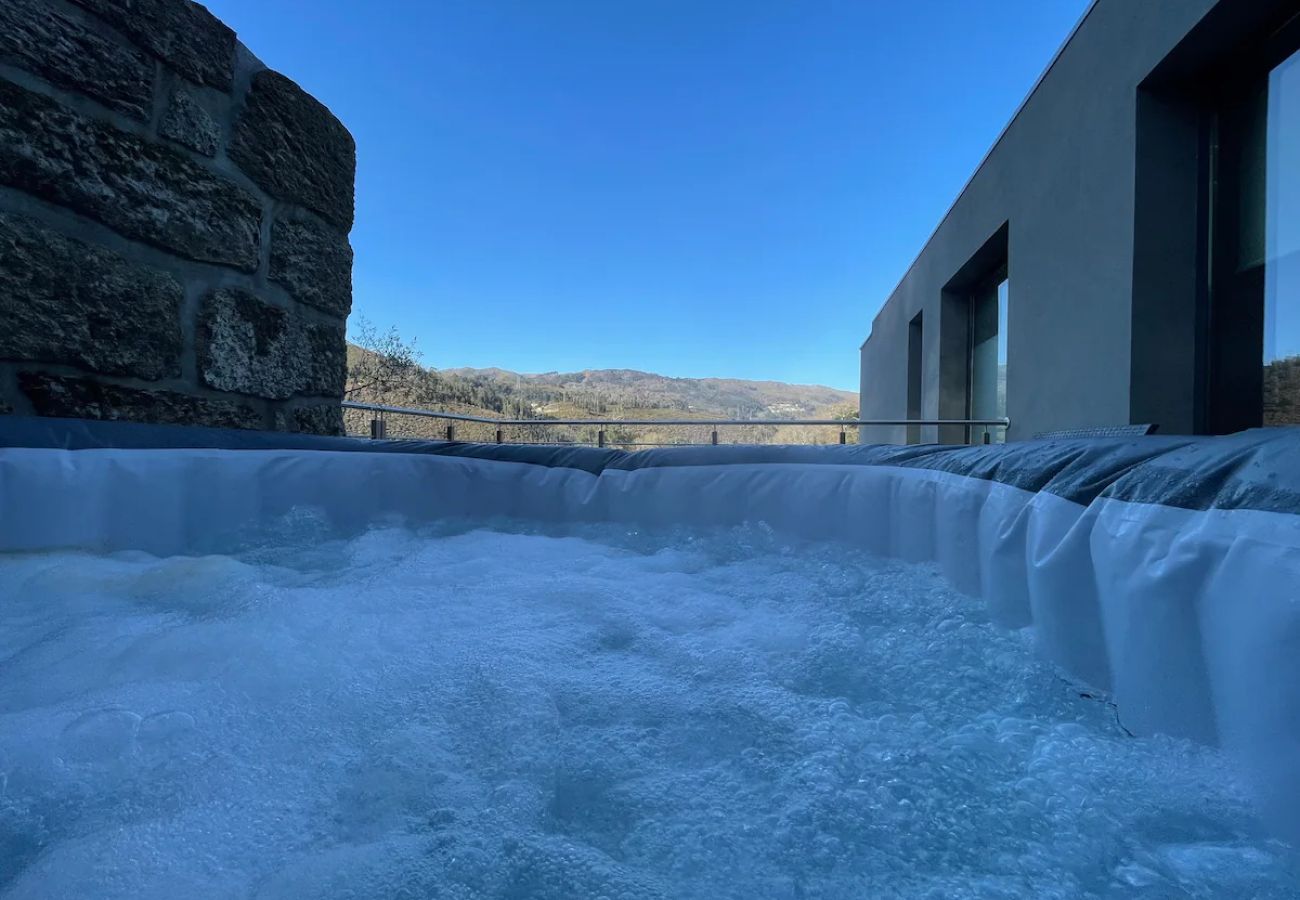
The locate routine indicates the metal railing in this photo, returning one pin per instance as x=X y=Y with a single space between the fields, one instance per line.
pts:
x=378 y=425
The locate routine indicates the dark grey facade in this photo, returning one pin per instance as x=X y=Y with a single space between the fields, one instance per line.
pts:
x=1098 y=207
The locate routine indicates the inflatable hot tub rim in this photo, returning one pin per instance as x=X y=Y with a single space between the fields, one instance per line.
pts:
x=1256 y=469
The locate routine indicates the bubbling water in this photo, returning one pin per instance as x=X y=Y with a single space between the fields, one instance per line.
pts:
x=499 y=711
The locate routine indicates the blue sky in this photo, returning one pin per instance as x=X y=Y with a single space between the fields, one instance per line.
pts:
x=693 y=187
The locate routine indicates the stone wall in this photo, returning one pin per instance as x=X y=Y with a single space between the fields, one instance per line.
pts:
x=173 y=223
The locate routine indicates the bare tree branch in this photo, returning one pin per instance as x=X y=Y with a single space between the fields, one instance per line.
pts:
x=386 y=362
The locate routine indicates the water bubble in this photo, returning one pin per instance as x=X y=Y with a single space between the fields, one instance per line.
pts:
x=99 y=736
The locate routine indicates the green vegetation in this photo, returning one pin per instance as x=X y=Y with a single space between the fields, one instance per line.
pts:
x=1282 y=391
x=382 y=368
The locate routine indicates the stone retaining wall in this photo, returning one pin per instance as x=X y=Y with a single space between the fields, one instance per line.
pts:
x=173 y=223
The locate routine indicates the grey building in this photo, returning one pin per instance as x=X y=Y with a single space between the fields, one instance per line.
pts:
x=1129 y=249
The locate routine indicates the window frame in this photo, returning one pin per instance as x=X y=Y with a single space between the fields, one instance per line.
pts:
x=1231 y=313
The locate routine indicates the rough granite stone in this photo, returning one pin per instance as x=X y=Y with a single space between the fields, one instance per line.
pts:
x=328 y=347
x=147 y=192
x=248 y=346
x=63 y=301
x=37 y=36
x=314 y=264
x=291 y=145
x=188 y=122
x=85 y=398
x=322 y=418
x=182 y=34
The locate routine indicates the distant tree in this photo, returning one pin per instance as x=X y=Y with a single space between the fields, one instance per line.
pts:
x=1282 y=391
x=388 y=362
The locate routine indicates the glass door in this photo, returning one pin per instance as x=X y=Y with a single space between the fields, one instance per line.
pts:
x=1281 y=389
x=987 y=398
x=1253 y=331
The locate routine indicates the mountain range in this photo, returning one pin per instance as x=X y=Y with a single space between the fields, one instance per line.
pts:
x=628 y=389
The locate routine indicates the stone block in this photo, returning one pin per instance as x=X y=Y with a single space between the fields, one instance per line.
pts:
x=187 y=121
x=328 y=347
x=295 y=149
x=37 y=36
x=85 y=398
x=249 y=346
x=63 y=301
x=182 y=34
x=322 y=418
x=314 y=264
x=141 y=190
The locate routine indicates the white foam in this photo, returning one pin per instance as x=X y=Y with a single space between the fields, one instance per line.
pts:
x=510 y=713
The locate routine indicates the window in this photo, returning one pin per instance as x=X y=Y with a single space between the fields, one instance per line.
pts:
x=1281 y=389
x=1253 y=347
x=987 y=397
x=915 y=375
x=972 y=343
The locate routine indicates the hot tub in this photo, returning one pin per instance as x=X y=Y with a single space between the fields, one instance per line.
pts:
x=264 y=665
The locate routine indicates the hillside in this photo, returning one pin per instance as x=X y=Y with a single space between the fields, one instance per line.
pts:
x=628 y=389
x=593 y=393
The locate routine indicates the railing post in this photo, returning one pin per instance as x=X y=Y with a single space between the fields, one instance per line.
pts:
x=451 y=432
x=843 y=437
x=378 y=429
x=715 y=437
x=499 y=436
x=600 y=438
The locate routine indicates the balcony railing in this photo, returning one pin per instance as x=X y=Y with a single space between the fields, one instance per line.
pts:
x=534 y=431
